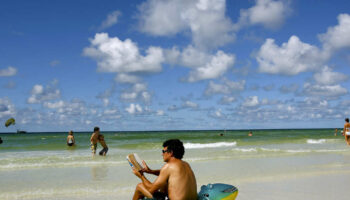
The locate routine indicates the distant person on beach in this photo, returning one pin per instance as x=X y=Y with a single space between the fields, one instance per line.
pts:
x=102 y=141
x=175 y=179
x=94 y=140
x=335 y=132
x=346 y=131
x=70 y=139
x=0 y=140
x=250 y=133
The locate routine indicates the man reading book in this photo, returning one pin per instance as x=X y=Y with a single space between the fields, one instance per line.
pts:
x=175 y=179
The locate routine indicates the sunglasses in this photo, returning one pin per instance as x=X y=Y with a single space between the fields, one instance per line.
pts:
x=163 y=151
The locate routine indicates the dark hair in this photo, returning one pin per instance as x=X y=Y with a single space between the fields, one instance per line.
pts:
x=347 y=119
x=175 y=146
x=96 y=128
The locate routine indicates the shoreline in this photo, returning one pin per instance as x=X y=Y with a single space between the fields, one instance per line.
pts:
x=177 y=130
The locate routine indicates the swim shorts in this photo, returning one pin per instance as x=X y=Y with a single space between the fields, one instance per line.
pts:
x=157 y=196
x=93 y=148
x=70 y=144
x=104 y=150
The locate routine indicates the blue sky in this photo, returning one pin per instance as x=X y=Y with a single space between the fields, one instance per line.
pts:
x=169 y=65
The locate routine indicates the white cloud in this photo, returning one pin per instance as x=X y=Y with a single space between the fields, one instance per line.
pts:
x=40 y=94
x=217 y=66
x=10 y=71
x=251 y=101
x=189 y=104
x=114 y=55
x=112 y=19
x=204 y=65
x=146 y=97
x=217 y=114
x=137 y=92
x=129 y=95
x=269 y=13
x=134 y=108
x=204 y=18
x=162 y=17
x=172 y=55
x=324 y=90
x=338 y=36
x=327 y=77
x=227 y=100
x=291 y=58
x=192 y=57
x=139 y=87
x=55 y=105
x=160 y=112
x=228 y=87
x=126 y=78
x=7 y=109
x=110 y=112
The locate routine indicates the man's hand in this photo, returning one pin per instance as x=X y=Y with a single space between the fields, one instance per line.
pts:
x=137 y=173
x=145 y=167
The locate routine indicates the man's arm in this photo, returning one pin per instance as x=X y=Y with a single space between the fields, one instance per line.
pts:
x=154 y=172
x=159 y=183
x=146 y=169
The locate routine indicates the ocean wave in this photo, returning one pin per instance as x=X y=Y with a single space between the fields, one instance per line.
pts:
x=319 y=141
x=245 y=149
x=209 y=145
x=291 y=151
x=48 y=164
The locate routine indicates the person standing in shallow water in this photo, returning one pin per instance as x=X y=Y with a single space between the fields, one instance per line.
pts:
x=250 y=133
x=102 y=141
x=70 y=139
x=94 y=140
x=346 y=131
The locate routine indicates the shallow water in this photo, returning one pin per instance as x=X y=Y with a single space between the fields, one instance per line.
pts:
x=41 y=166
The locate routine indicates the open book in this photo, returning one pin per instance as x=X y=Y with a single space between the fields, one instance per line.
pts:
x=135 y=161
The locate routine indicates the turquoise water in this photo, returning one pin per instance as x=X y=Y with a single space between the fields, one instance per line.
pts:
x=42 y=166
x=151 y=140
x=50 y=149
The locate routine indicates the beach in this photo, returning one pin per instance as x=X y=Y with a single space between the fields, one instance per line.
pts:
x=272 y=164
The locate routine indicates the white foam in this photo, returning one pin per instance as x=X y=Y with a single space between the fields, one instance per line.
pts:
x=47 y=164
x=320 y=141
x=298 y=151
x=209 y=145
x=271 y=150
x=245 y=149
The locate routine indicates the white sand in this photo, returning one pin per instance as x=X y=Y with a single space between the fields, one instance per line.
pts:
x=321 y=176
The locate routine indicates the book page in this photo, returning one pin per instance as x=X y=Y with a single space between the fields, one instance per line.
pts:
x=135 y=161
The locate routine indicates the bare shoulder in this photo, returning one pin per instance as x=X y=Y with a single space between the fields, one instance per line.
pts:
x=185 y=163
x=166 y=169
